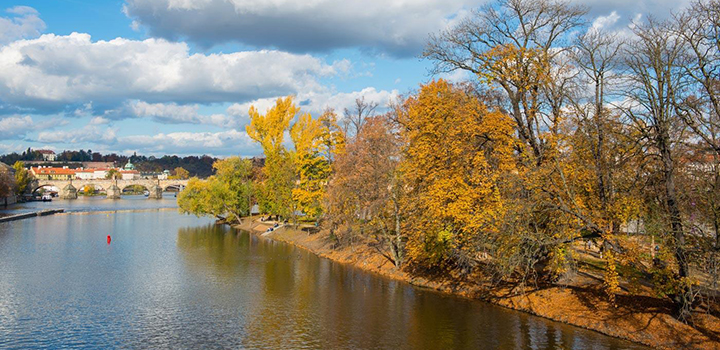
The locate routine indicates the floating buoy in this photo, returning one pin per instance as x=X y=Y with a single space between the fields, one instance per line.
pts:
x=109 y=239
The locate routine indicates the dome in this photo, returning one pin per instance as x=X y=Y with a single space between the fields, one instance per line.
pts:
x=129 y=166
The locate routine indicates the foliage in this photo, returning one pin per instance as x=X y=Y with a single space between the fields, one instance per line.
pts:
x=316 y=143
x=7 y=182
x=226 y=195
x=365 y=190
x=23 y=178
x=456 y=154
x=180 y=173
x=113 y=174
x=268 y=130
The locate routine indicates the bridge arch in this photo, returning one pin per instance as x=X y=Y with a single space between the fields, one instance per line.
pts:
x=82 y=188
x=51 y=187
x=141 y=186
x=173 y=187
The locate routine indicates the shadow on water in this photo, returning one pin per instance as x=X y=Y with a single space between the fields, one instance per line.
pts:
x=302 y=301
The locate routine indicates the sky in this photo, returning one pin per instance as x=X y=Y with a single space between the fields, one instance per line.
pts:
x=160 y=77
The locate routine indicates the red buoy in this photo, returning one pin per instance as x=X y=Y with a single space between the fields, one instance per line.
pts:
x=109 y=239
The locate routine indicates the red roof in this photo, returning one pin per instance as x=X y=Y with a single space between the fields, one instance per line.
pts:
x=53 y=171
x=45 y=151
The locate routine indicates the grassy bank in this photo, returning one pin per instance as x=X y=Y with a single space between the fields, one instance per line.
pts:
x=638 y=316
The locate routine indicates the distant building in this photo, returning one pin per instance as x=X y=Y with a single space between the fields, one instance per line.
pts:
x=48 y=155
x=129 y=166
x=52 y=173
x=85 y=174
x=130 y=174
x=164 y=176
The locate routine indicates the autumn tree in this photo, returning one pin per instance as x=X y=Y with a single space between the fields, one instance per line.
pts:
x=181 y=173
x=316 y=142
x=511 y=45
x=456 y=154
x=7 y=182
x=355 y=117
x=113 y=174
x=268 y=130
x=365 y=191
x=227 y=195
x=655 y=78
x=23 y=178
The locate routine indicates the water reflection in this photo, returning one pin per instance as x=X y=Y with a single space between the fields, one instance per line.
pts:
x=292 y=299
x=173 y=281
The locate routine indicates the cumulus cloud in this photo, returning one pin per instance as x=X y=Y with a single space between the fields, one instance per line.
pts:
x=99 y=137
x=88 y=133
x=217 y=143
x=397 y=27
x=51 y=72
x=172 y=113
x=23 y=22
x=17 y=127
x=317 y=102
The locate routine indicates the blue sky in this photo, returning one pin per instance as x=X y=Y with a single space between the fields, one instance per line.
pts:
x=177 y=76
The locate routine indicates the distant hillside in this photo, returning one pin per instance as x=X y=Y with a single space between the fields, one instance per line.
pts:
x=197 y=166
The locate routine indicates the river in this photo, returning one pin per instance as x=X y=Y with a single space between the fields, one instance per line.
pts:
x=176 y=281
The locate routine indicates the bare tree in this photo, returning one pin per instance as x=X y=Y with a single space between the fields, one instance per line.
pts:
x=699 y=27
x=596 y=56
x=511 y=44
x=656 y=85
x=355 y=118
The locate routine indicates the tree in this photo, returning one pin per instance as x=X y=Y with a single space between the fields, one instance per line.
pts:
x=316 y=142
x=456 y=155
x=365 y=190
x=23 y=178
x=511 y=45
x=181 y=173
x=113 y=174
x=268 y=130
x=7 y=182
x=227 y=195
x=655 y=87
x=355 y=118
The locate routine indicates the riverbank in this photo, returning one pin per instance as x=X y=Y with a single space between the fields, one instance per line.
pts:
x=639 y=318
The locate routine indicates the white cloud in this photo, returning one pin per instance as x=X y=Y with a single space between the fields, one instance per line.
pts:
x=24 y=22
x=317 y=102
x=17 y=127
x=605 y=21
x=399 y=27
x=217 y=143
x=53 y=71
x=99 y=121
x=88 y=133
x=172 y=113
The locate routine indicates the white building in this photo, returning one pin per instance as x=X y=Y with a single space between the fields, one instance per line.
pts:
x=48 y=155
x=85 y=174
x=130 y=174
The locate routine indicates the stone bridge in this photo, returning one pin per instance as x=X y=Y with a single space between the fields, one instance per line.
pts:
x=69 y=188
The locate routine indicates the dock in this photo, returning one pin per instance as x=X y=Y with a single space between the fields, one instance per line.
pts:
x=31 y=215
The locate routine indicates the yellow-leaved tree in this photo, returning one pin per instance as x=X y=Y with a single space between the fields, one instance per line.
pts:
x=312 y=167
x=456 y=153
x=269 y=130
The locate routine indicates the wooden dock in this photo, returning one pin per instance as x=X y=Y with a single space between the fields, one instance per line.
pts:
x=31 y=215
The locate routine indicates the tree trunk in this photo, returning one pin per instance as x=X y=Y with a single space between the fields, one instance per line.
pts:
x=682 y=298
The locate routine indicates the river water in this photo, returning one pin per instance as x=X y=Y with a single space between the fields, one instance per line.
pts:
x=175 y=281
